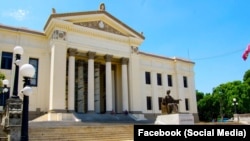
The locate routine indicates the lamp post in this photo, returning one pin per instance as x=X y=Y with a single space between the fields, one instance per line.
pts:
x=5 y=92
x=235 y=103
x=27 y=71
x=18 y=51
x=12 y=116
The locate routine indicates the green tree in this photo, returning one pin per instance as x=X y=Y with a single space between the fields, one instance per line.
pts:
x=204 y=108
x=219 y=104
x=246 y=77
x=2 y=77
x=199 y=95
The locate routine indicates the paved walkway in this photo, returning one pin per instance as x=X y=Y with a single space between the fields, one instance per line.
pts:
x=97 y=119
x=221 y=123
x=93 y=120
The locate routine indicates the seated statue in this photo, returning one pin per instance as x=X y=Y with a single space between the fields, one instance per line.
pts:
x=169 y=105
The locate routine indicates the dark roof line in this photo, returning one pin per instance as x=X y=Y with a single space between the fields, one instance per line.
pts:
x=21 y=29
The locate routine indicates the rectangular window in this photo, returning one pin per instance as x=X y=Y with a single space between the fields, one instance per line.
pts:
x=147 y=77
x=159 y=79
x=186 y=104
x=149 y=103
x=6 y=62
x=159 y=102
x=35 y=63
x=185 y=82
x=170 y=83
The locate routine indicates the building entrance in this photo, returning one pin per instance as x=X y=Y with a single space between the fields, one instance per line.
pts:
x=81 y=85
x=100 y=97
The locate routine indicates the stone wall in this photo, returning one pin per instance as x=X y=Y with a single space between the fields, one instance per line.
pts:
x=243 y=118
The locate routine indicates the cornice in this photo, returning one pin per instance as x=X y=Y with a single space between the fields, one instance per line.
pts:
x=175 y=59
x=90 y=16
x=24 y=30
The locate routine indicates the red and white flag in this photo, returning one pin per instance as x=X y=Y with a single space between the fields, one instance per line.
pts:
x=246 y=52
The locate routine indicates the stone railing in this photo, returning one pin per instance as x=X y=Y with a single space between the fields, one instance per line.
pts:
x=242 y=118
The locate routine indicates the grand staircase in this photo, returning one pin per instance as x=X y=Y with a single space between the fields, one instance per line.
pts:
x=3 y=136
x=80 y=132
x=92 y=127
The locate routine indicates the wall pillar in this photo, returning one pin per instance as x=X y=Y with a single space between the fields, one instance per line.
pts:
x=125 y=102
x=58 y=78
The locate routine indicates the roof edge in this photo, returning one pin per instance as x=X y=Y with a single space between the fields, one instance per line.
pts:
x=55 y=15
x=21 y=29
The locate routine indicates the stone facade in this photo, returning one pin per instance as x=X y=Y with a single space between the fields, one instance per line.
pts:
x=91 y=62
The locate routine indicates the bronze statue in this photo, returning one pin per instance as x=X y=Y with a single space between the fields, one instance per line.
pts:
x=169 y=104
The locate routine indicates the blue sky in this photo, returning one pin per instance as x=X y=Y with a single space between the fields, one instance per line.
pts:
x=211 y=33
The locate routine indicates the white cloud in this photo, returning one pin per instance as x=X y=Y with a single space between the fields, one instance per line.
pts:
x=18 y=14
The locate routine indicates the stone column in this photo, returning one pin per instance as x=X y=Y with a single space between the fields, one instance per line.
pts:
x=109 y=98
x=71 y=79
x=124 y=62
x=90 y=96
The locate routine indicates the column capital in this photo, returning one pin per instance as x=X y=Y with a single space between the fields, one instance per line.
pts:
x=91 y=54
x=72 y=51
x=124 y=61
x=108 y=57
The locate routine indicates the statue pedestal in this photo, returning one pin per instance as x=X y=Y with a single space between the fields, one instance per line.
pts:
x=179 y=119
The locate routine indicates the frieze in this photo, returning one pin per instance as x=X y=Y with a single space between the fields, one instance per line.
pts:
x=100 y=25
x=78 y=29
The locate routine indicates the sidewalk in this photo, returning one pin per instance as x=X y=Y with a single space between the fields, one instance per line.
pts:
x=221 y=123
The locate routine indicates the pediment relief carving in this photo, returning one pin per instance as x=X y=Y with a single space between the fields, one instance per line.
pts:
x=134 y=50
x=59 y=35
x=100 y=25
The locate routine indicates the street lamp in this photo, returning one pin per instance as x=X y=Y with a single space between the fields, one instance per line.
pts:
x=235 y=103
x=18 y=51
x=27 y=71
x=12 y=126
x=5 y=92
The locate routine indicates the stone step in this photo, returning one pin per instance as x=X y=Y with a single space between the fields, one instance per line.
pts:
x=3 y=135
x=78 y=132
x=90 y=127
x=102 y=132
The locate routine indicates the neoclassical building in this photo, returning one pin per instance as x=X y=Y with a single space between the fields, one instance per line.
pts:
x=90 y=62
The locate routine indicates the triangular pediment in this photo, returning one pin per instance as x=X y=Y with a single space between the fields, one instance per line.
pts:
x=98 y=20
x=100 y=25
